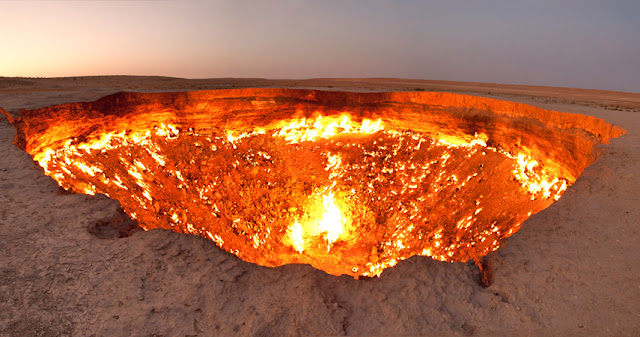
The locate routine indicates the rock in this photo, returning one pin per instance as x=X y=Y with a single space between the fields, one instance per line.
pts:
x=373 y=257
x=242 y=226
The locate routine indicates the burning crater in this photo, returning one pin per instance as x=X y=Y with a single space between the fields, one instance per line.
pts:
x=350 y=183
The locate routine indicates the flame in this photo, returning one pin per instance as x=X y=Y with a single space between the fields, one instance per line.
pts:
x=536 y=180
x=308 y=130
x=332 y=222
x=295 y=235
x=330 y=225
x=405 y=171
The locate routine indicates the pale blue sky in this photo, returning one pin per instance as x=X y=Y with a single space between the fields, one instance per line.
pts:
x=576 y=43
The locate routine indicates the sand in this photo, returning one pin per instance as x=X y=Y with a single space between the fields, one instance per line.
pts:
x=572 y=270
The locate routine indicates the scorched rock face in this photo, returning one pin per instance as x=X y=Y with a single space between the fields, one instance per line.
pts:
x=350 y=183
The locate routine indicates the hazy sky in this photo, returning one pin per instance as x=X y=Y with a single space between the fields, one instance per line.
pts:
x=581 y=43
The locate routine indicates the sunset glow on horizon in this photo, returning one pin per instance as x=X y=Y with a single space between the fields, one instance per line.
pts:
x=584 y=44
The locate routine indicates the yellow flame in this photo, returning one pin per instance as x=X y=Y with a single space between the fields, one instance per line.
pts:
x=536 y=180
x=330 y=225
x=332 y=222
x=295 y=235
x=302 y=130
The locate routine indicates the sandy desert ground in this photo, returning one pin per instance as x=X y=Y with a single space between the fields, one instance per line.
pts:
x=572 y=270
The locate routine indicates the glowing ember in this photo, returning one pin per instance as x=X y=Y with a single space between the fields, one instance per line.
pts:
x=347 y=194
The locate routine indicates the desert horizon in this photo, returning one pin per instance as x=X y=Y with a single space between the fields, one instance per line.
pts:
x=374 y=78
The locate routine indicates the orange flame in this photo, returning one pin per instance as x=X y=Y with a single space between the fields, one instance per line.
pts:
x=296 y=237
x=332 y=222
x=306 y=130
x=330 y=225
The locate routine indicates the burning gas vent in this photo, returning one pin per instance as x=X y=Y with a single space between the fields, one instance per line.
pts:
x=349 y=183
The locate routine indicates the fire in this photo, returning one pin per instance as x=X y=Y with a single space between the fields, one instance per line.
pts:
x=296 y=237
x=535 y=180
x=346 y=194
x=308 y=130
x=330 y=225
x=411 y=187
x=332 y=222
